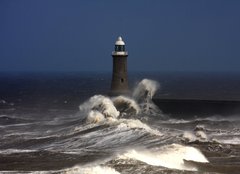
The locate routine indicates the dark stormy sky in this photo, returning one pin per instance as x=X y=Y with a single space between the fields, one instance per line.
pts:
x=79 y=35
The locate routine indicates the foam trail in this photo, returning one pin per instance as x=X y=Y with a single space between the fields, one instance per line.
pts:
x=170 y=156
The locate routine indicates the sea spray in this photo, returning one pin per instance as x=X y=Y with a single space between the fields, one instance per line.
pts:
x=143 y=94
x=146 y=89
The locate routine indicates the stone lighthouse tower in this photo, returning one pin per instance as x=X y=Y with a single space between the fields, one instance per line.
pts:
x=119 y=75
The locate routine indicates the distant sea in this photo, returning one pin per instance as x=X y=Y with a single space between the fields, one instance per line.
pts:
x=67 y=123
x=69 y=89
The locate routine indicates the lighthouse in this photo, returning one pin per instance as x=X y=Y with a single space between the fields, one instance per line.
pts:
x=119 y=83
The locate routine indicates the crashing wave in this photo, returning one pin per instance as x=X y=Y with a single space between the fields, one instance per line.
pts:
x=145 y=89
x=126 y=105
x=170 y=156
x=100 y=108
x=143 y=94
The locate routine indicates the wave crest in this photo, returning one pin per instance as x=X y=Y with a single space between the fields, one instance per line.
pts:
x=170 y=156
x=98 y=108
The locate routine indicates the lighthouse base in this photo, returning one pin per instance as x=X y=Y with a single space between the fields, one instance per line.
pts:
x=119 y=92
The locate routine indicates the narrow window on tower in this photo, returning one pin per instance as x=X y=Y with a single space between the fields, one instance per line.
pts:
x=122 y=80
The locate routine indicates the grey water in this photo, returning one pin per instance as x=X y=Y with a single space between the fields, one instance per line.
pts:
x=43 y=129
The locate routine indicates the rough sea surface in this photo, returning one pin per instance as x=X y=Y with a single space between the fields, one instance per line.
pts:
x=66 y=123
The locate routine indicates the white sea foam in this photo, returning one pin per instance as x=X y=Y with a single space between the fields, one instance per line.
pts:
x=170 y=156
x=90 y=170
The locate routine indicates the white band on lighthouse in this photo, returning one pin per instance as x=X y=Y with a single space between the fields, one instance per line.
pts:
x=120 y=53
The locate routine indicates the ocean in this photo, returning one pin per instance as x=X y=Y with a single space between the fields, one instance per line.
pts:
x=67 y=123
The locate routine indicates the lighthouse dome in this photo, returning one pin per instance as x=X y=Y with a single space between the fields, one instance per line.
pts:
x=119 y=41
